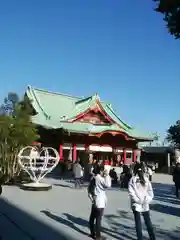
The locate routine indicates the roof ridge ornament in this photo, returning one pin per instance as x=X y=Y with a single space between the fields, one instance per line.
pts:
x=95 y=97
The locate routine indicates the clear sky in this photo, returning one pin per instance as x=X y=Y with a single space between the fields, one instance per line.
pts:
x=118 y=48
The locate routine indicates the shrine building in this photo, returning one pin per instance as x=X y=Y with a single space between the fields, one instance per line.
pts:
x=80 y=127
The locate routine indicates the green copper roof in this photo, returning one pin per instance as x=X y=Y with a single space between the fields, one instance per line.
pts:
x=53 y=109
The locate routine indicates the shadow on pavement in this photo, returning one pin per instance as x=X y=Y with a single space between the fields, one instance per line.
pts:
x=174 y=211
x=165 y=193
x=25 y=225
x=77 y=223
x=62 y=185
x=122 y=230
x=165 y=234
x=167 y=199
x=162 y=189
x=126 y=229
x=66 y=222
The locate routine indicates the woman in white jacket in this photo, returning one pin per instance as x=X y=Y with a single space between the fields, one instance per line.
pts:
x=97 y=193
x=141 y=194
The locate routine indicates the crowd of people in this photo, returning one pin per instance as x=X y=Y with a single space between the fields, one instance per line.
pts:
x=122 y=176
x=140 y=192
x=136 y=178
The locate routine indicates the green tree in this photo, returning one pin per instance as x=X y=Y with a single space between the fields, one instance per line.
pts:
x=8 y=107
x=173 y=134
x=16 y=131
x=155 y=136
x=171 y=12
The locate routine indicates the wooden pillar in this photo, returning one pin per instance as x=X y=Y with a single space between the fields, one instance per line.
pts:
x=86 y=147
x=60 y=152
x=124 y=151
x=134 y=155
x=74 y=153
x=138 y=155
x=169 y=162
x=110 y=162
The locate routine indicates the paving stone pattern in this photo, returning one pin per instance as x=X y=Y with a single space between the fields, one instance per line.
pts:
x=66 y=210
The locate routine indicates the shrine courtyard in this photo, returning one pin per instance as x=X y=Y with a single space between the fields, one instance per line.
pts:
x=62 y=213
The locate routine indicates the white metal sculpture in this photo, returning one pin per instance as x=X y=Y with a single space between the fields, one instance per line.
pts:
x=36 y=163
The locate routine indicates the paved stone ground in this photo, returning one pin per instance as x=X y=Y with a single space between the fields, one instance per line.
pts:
x=9 y=229
x=65 y=210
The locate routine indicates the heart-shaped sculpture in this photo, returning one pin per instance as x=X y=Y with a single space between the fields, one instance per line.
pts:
x=38 y=163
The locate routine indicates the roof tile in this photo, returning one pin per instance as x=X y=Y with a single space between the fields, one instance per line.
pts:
x=54 y=108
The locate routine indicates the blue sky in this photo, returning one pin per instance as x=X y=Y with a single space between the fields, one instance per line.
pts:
x=118 y=48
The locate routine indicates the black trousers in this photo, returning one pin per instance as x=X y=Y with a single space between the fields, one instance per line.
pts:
x=148 y=223
x=77 y=182
x=177 y=186
x=95 y=221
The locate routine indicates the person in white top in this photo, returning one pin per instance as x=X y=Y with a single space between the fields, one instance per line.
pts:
x=141 y=195
x=78 y=173
x=97 y=193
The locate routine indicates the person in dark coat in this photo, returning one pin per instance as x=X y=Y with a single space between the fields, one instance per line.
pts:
x=176 y=178
x=125 y=177
x=113 y=175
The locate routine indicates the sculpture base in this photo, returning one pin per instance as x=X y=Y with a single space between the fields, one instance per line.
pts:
x=35 y=186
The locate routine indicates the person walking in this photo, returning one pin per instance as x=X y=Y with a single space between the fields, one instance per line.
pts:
x=141 y=195
x=78 y=174
x=97 y=193
x=176 y=178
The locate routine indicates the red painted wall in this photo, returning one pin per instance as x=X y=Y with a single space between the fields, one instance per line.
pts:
x=106 y=139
